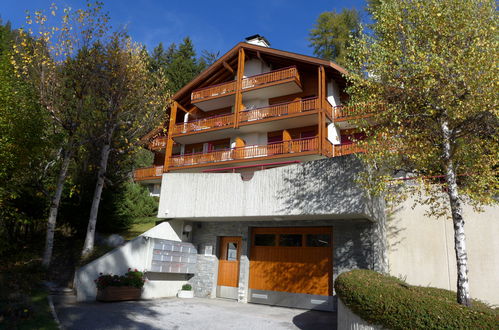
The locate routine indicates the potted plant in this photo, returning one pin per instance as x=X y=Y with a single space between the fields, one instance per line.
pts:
x=186 y=291
x=119 y=288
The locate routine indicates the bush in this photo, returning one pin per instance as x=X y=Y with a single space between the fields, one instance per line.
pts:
x=187 y=287
x=393 y=304
x=132 y=278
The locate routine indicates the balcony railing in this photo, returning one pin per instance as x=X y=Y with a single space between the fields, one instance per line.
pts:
x=356 y=111
x=148 y=173
x=204 y=123
x=346 y=149
x=270 y=77
x=281 y=109
x=252 y=81
x=247 y=152
x=158 y=143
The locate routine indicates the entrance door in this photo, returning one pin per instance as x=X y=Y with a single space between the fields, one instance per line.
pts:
x=228 y=267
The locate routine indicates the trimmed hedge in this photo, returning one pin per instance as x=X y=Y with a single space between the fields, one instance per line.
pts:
x=394 y=304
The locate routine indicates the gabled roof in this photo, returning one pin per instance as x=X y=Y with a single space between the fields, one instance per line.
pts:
x=263 y=50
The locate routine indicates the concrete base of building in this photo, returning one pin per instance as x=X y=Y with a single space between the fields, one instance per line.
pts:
x=295 y=300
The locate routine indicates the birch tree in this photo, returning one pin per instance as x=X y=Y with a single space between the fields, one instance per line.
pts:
x=130 y=101
x=45 y=55
x=433 y=63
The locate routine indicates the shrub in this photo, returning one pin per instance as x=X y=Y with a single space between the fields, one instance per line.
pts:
x=393 y=304
x=132 y=278
x=187 y=287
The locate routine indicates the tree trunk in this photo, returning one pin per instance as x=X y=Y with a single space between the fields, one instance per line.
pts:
x=88 y=246
x=54 y=208
x=463 y=290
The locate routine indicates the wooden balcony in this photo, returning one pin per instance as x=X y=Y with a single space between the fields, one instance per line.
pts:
x=346 y=149
x=291 y=147
x=213 y=91
x=222 y=95
x=356 y=111
x=159 y=143
x=148 y=173
x=204 y=123
x=278 y=110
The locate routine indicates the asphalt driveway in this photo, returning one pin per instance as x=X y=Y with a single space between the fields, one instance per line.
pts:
x=196 y=313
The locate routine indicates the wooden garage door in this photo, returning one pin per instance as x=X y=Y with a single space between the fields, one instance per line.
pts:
x=297 y=260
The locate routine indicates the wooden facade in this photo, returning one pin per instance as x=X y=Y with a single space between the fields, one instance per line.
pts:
x=218 y=104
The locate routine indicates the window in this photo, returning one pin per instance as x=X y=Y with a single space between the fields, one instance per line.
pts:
x=264 y=240
x=318 y=240
x=232 y=251
x=290 y=240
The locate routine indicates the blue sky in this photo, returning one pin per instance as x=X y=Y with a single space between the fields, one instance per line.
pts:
x=213 y=25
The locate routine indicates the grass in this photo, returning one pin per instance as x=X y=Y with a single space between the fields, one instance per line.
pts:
x=139 y=226
x=23 y=300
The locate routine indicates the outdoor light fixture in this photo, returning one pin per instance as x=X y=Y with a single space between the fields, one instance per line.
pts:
x=187 y=230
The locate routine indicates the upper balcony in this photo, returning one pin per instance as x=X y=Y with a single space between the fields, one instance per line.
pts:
x=290 y=148
x=269 y=84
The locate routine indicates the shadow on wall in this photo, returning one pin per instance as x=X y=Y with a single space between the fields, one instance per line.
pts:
x=353 y=247
x=328 y=186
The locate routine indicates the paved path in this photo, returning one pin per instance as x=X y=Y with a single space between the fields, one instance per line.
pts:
x=196 y=313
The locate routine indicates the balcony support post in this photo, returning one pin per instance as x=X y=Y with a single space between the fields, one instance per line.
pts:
x=322 y=94
x=238 y=104
x=169 y=143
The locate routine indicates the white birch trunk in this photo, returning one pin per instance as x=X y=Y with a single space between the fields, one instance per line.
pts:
x=54 y=208
x=88 y=246
x=463 y=290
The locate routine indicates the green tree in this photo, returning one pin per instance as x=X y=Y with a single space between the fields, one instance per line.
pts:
x=333 y=33
x=129 y=101
x=46 y=58
x=433 y=64
x=23 y=146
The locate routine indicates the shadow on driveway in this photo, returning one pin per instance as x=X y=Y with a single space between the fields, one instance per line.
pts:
x=197 y=313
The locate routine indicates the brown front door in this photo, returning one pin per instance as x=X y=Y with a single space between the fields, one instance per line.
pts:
x=228 y=267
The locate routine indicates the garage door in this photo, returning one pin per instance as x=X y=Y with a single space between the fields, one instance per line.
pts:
x=292 y=260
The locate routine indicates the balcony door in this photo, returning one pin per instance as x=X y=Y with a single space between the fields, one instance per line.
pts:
x=228 y=267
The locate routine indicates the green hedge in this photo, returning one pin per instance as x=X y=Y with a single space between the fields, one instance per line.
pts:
x=393 y=304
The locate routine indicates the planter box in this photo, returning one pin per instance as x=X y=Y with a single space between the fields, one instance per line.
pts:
x=119 y=293
x=186 y=294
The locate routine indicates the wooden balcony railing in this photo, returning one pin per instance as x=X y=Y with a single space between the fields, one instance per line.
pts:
x=148 y=173
x=281 y=109
x=158 y=143
x=204 y=123
x=251 y=81
x=270 y=77
x=356 y=111
x=346 y=149
x=247 y=152
x=214 y=90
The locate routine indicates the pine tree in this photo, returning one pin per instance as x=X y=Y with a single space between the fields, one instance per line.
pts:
x=333 y=33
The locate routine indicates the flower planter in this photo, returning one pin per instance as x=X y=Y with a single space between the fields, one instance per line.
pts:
x=185 y=294
x=119 y=293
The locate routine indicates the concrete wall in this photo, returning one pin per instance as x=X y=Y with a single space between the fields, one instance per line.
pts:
x=254 y=66
x=421 y=249
x=136 y=253
x=347 y=320
x=313 y=189
x=354 y=246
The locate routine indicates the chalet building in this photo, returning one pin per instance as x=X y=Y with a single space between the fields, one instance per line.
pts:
x=256 y=175
x=259 y=108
